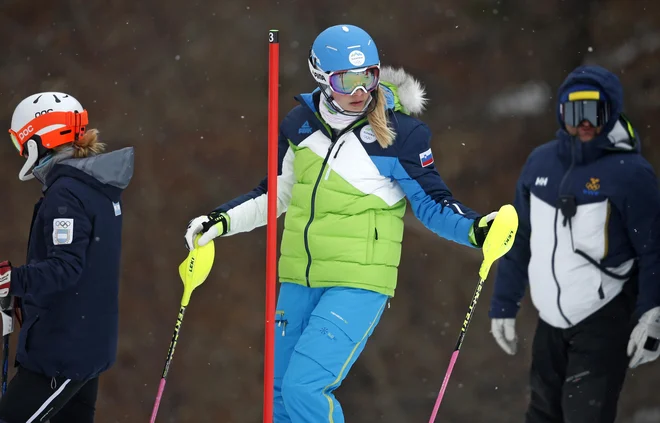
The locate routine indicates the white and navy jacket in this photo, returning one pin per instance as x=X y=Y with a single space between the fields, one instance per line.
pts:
x=589 y=221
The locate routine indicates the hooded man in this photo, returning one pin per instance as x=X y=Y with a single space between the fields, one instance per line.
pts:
x=588 y=245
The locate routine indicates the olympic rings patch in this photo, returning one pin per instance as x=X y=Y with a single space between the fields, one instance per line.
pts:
x=62 y=231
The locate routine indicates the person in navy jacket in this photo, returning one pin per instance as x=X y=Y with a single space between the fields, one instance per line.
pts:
x=69 y=287
x=588 y=246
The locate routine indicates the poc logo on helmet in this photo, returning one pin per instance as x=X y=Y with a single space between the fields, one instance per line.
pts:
x=25 y=132
x=319 y=76
x=43 y=112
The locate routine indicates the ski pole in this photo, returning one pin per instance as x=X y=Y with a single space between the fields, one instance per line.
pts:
x=8 y=307
x=5 y=363
x=193 y=272
x=498 y=242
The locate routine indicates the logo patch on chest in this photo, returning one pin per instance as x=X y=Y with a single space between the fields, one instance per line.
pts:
x=367 y=134
x=541 y=181
x=305 y=128
x=592 y=187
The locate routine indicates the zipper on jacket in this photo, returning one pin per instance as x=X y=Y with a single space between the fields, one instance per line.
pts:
x=601 y=293
x=333 y=141
x=556 y=242
x=339 y=148
x=554 y=273
x=327 y=173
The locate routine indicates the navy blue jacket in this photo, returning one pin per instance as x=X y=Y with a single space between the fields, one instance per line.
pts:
x=70 y=285
x=616 y=222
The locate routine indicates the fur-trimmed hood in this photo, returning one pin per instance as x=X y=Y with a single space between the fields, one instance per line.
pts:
x=403 y=91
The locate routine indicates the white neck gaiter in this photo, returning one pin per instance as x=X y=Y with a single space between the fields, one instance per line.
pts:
x=333 y=118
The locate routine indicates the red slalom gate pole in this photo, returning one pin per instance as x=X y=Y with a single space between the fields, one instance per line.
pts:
x=271 y=228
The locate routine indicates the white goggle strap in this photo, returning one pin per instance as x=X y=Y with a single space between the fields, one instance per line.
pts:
x=319 y=76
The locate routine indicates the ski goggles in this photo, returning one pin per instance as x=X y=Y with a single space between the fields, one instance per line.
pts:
x=14 y=141
x=349 y=81
x=74 y=128
x=595 y=112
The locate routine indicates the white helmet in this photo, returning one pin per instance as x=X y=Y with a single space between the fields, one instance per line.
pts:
x=42 y=122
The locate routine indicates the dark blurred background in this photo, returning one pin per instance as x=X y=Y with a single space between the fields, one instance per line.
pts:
x=185 y=82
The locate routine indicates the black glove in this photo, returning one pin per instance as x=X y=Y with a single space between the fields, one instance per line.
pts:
x=480 y=229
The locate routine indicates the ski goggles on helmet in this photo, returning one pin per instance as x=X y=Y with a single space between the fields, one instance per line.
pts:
x=14 y=140
x=73 y=129
x=585 y=105
x=349 y=81
x=575 y=112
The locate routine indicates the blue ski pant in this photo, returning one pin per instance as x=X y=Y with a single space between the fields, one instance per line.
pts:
x=319 y=334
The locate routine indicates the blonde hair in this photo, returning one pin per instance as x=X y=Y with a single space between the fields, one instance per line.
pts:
x=87 y=145
x=379 y=121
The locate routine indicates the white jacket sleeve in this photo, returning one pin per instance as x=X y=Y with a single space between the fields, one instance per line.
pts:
x=251 y=210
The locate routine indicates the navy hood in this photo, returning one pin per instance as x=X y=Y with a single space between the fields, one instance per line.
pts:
x=617 y=134
x=109 y=173
x=600 y=78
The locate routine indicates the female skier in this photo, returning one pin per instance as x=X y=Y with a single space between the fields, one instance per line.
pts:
x=349 y=155
x=69 y=287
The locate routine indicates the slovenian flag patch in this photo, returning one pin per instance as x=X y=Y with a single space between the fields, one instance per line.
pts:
x=426 y=158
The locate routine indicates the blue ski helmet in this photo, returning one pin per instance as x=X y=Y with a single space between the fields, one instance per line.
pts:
x=341 y=48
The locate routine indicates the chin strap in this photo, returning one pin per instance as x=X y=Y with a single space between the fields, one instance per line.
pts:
x=32 y=153
x=327 y=93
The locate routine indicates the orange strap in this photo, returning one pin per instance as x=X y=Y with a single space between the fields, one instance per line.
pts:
x=75 y=125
